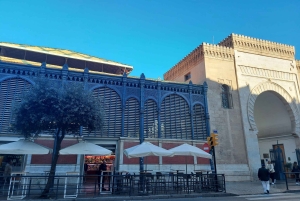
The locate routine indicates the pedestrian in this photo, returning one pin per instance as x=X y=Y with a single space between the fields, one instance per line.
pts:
x=296 y=169
x=264 y=176
x=7 y=171
x=271 y=169
x=101 y=173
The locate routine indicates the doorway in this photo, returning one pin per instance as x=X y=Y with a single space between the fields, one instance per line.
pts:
x=277 y=157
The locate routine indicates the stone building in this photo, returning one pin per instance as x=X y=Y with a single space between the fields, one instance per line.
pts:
x=253 y=101
x=136 y=109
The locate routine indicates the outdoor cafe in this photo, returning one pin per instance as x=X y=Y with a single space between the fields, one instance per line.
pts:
x=116 y=182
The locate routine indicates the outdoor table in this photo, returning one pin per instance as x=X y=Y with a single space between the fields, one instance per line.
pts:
x=177 y=171
x=206 y=180
x=145 y=171
x=145 y=182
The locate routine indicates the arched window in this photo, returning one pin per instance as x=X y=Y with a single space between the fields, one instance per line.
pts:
x=226 y=97
x=10 y=91
x=175 y=118
x=112 y=113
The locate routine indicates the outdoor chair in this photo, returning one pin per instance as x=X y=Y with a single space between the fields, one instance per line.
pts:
x=122 y=184
x=160 y=183
x=180 y=182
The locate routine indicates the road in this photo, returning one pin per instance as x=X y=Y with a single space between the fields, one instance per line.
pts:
x=262 y=197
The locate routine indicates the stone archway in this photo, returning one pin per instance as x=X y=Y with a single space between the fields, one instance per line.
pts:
x=285 y=98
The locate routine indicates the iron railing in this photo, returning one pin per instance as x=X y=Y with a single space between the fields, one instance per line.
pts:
x=292 y=180
x=20 y=186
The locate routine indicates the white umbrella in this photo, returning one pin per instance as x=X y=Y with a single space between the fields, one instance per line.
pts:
x=23 y=147
x=189 y=150
x=146 y=149
x=85 y=148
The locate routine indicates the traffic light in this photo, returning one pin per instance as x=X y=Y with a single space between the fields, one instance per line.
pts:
x=214 y=139
x=210 y=141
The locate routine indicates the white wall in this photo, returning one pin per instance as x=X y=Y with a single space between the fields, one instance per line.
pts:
x=288 y=142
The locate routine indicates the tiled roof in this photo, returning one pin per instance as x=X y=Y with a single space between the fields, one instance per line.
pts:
x=63 y=53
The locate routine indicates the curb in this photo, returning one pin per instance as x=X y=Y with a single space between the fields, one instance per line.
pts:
x=156 y=197
x=150 y=197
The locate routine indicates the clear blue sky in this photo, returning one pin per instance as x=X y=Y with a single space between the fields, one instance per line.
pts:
x=150 y=35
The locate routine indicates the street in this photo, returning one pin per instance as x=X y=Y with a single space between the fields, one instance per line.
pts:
x=276 y=196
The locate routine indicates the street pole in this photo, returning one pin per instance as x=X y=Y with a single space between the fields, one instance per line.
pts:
x=215 y=166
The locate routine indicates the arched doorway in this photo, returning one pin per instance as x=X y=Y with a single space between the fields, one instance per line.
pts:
x=273 y=115
x=274 y=126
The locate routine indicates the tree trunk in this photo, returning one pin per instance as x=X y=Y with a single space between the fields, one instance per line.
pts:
x=56 y=147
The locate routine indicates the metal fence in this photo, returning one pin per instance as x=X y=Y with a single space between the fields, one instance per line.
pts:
x=292 y=180
x=20 y=186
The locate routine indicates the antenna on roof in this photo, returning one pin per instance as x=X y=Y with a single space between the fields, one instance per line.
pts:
x=213 y=40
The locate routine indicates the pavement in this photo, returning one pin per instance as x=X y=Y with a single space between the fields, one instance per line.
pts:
x=255 y=187
x=232 y=189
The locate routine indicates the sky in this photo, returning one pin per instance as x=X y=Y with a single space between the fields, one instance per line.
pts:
x=150 y=35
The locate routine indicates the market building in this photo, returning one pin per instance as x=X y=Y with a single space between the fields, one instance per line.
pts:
x=253 y=101
x=165 y=113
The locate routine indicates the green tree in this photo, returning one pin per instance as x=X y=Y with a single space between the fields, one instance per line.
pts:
x=62 y=108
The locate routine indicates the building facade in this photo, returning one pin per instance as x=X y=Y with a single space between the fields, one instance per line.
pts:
x=136 y=109
x=253 y=101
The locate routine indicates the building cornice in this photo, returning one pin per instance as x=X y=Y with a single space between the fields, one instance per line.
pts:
x=217 y=51
x=259 y=46
x=204 y=50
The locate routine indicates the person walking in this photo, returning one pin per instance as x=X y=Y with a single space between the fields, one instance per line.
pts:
x=296 y=169
x=264 y=176
x=7 y=171
x=101 y=173
x=271 y=169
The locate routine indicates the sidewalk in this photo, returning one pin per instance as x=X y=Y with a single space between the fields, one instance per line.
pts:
x=232 y=189
x=255 y=187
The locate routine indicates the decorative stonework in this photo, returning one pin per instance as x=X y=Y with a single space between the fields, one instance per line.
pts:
x=298 y=64
x=185 y=64
x=192 y=59
x=260 y=72
x=225 y=81
x=217 y=51
x=258 y=46
x=284 y=97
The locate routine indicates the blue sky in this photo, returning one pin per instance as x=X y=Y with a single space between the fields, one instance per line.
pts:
x=150 y=35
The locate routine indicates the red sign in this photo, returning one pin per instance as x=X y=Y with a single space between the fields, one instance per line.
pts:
x=206 y=147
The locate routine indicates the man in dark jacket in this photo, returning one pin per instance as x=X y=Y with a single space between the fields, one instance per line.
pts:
x=264 y=176
x=101 y=173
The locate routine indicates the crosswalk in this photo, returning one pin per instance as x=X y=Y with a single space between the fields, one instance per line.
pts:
x=275 y=196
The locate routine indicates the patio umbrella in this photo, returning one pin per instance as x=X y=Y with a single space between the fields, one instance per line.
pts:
x=146 y=149
x=23 y=147
x=85 y=148
x=189 y=150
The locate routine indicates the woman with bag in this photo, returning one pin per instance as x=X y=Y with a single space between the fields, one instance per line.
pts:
x=271 y=169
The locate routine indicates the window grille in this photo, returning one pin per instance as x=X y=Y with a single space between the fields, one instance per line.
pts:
x=199 y=122
x=150 y=119
x=10 y=91
x=112 y=112
x=175 y=118
x=226 y=97
x=132 y=118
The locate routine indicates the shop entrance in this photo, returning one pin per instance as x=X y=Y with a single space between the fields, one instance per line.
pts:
x=91 y=169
